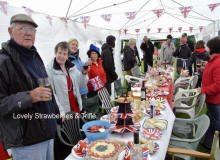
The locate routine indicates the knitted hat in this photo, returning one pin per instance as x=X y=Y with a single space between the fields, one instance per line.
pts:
x=93 y=48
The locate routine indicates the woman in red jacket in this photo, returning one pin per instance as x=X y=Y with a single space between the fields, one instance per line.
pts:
x=95 y=71
x=211 y=87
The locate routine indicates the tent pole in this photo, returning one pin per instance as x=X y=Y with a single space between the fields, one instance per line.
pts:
x=68 y=8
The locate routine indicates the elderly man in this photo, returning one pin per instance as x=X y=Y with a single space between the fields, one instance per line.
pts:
x=148 y=50
x=27 y=112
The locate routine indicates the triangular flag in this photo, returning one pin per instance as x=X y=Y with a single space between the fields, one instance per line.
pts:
x=49 y=18
x=180 y=29
x=85 y=20
x=213 y=6
x=125 y=31
x=190 y=29
x=158 y=12
x=170 y=29
x=106 y=17
x=28 y=10
x=130 y=15
x=64 y=19
x=200 y=28
x=3 y=6
x=185 y=10
x=159 y=29
x=137 y=30
x=148 y=30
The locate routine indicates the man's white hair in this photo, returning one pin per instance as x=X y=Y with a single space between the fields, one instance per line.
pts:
x=132 y=41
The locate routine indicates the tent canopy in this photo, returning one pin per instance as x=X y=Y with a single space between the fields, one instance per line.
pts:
x=200 y=14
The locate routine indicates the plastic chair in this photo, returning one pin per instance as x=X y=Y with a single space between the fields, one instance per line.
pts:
x=186 y=100
x=69 y=132
x=214 y=154
x=105 y=99
x=201 y=124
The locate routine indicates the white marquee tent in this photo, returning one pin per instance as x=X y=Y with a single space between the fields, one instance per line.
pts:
x=199 y=14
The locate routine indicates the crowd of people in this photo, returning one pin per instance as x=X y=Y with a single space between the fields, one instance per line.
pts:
x=72 y=80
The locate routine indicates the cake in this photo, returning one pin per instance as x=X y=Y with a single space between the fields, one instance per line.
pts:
x=103 y=149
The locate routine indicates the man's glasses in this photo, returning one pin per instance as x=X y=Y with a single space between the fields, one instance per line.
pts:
x=25 y=29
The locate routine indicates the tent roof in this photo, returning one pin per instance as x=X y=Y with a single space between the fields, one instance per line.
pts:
x=200 y=15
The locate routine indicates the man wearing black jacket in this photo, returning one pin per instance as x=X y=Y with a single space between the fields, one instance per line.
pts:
x=189 y=42
x=108 y=62
x=148 y=50
x=28 y=114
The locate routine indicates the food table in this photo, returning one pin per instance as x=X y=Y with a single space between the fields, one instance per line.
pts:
x=163 y=141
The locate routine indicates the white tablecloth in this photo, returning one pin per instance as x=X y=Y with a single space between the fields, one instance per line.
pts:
x=163 y=141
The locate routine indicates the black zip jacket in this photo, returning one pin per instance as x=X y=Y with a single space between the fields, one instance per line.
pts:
x=15 y=84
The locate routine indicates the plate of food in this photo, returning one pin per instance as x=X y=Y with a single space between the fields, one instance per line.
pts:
x=152 y=133
x=151 y=146
x=154 y=122
x=138 y=116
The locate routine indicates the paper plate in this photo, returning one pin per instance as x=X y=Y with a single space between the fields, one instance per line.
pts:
x=152 y=133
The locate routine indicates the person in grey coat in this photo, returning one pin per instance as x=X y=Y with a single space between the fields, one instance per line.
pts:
x=167 y=49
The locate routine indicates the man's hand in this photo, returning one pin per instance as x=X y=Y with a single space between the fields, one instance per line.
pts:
x=199 y=90
x=40 y=94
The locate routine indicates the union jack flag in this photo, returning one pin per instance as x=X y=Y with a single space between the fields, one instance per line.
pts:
x=3 y=5
x=125 y=115
x=125 y=31
x=185 y=10
x=137 y=30
x=123 y=129
x=96 y=83
x=180 y=29
x=159 y=29
x=106 y=17
x=200 y=28
x=158 y=12
x=213 y=6
x=49 y=18
x=28 y=10
x=80 y=149
x=170 y=29
x=190 y=29
x=130 y=15
x=64 y=19
x=145 y=153
x=148 y=30
x=152 y=133
x=85 y=20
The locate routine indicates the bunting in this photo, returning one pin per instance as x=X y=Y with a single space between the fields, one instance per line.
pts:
x=200 y=28
x=148 y=30
x=28 y=11
x=159 y=30
x=180 y=29
x=137 y=30
x=49 y=18
x=125 y=31
x=158 y=12
x=130 y=15
x=85 y=20
x=213 y=6
x=64 y=19
x=190 y=29
x=106 y=17
x=170 y=29
x=3 y=6
x=185 y=10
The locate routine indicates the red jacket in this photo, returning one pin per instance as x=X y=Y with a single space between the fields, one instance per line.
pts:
x=96 y=70
x=211 y=80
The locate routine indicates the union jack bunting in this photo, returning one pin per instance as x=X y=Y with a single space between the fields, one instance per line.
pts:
x=130 y=15
x=125 y=31
x=159 y=30
x=85 y=20
x=185 y=10
x=148 y=30
x=170 y=29
x=158 y=12
x=28 y=10
x=125 y=115
x=96 y=83
x=213 y=6
x=106 y=17
x=180 y=29
x=200 y=28
x=137 y=30
x=190 y=29
x=3 y=6
x=64 y=19
x=49 y=18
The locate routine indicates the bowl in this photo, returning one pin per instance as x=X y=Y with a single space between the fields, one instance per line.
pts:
x=99 y=135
